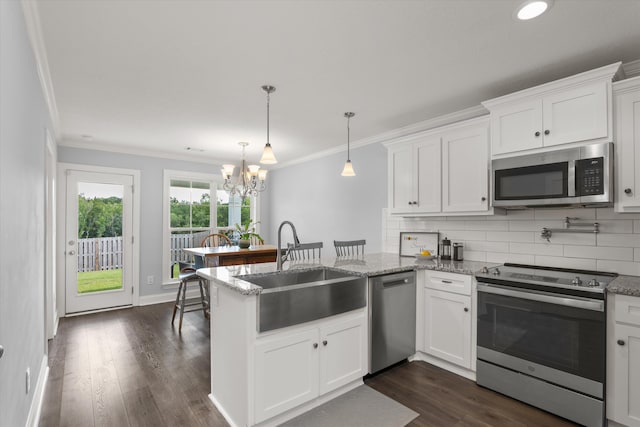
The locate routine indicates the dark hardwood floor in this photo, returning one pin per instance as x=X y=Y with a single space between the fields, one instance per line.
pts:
x=131 y=368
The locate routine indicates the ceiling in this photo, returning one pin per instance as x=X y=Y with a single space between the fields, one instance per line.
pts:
x=158 y=76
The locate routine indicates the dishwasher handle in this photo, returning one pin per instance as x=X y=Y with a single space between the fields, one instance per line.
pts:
x=393 y=283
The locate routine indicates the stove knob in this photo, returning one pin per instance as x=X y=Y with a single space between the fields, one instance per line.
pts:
x=593 y=283
x=576 y=281
x=496 y=272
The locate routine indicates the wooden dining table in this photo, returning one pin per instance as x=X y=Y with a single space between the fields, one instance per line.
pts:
x=234 y=255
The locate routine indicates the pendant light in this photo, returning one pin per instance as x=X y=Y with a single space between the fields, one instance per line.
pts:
x=268 y=158
x=348 y=167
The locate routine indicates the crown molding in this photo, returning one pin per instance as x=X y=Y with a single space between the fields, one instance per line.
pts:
x=34 y=31
x=137 y=151
x=631 y=69
x=468 y=113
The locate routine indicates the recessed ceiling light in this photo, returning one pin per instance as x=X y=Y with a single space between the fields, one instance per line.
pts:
x=532 y=8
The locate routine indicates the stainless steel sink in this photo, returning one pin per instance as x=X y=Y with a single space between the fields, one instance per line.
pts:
x=297 y=296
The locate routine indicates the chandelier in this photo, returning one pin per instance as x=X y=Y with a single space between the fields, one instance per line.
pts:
x=250 y=180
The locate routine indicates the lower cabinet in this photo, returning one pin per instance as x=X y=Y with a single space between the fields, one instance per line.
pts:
x=623 y=401
x=294 y=368
x=447 y=327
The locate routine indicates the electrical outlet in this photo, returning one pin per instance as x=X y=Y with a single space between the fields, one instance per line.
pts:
x=149 y=280
x=28 y=381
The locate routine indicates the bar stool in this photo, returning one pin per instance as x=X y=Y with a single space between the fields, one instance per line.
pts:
x=188 y=275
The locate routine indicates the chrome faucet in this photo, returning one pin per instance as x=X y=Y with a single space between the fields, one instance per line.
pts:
x=295 y=244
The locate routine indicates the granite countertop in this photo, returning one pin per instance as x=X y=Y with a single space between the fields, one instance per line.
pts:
x=625 y=285
x=368 y=265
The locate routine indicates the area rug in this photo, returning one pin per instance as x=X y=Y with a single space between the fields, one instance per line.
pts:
x=361 y=407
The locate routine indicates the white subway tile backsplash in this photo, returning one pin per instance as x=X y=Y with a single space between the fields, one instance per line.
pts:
x=487 y=225
x=620 y=267
x=577 y=263
x=536 y=249
x=582 y=214
x=621 y=240
x=599 y=252
x=515 y=237
x=501 y=257
x=511 y=236
x=616 y=226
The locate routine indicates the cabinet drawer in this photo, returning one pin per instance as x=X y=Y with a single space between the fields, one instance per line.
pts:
x=449 y=282
x=627 y=309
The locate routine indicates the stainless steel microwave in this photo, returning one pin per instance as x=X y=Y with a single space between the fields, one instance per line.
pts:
x=581 y=176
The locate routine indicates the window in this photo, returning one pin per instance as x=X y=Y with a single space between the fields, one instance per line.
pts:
x=195 y=205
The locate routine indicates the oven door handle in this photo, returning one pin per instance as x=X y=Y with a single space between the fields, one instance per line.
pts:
x=577 y=302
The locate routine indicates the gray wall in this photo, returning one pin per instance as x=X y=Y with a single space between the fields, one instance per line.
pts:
x=325 y=206
x=23 y=120
x=151 y=181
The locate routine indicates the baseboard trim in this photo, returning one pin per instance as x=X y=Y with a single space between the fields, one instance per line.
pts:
x=38 y=395
x=165 y=297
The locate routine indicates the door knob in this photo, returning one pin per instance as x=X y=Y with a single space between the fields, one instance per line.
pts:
x=537 y=133
x=547 y=132
x=324 y=342
x=466 y=309
x=72 y=252
x=627 y=191
x=483 y=199
x=621 y=342
x=315 y=345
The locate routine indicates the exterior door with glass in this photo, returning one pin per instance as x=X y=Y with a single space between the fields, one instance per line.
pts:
x=99 y=242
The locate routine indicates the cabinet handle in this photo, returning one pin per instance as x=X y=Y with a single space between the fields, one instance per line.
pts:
x=324 y=342
x=447 y=281
x=621 y=342
x=547 y=132
x=466 y=309
x=483 y=199
x=537 y=133
x=627 y=191
x=315 y=345
x=1 y=351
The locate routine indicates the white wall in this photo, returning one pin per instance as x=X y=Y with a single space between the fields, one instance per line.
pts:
x=151 y=181
x=23 y=120
x=325 y=206
x=516 y=238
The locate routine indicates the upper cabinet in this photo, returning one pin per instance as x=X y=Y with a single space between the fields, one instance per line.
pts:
x=627 y=144
x=441 y=170
x=569 y=110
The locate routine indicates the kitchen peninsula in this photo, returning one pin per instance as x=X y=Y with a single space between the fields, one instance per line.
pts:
x=266 y=378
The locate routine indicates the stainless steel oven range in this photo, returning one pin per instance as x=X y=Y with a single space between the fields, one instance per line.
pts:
x=541 y=338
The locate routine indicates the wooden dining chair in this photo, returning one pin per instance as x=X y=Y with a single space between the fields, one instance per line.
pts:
x=214 y=240
x=255 y=240
x=349 y=247
x=304 y=251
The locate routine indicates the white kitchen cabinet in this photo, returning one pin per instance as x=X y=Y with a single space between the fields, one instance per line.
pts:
x=626 y=96
x=445 y=333
x=447 y=327
x=442 y=170
x=414 y=176
x=574 y=109
x=294 y=368
x=465 y=169
x=623 y=347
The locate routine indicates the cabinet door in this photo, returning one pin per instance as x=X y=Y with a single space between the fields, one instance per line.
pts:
x=465 y=161
x=427 y=175
x=627 y=147
x=447 y=326
x=514 y=127
x=626 y=375
x=343 y=353
x=401 y=191
x=286 y=372
x=576 y=115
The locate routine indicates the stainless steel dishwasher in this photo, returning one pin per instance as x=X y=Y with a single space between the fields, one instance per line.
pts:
x=392 y=319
